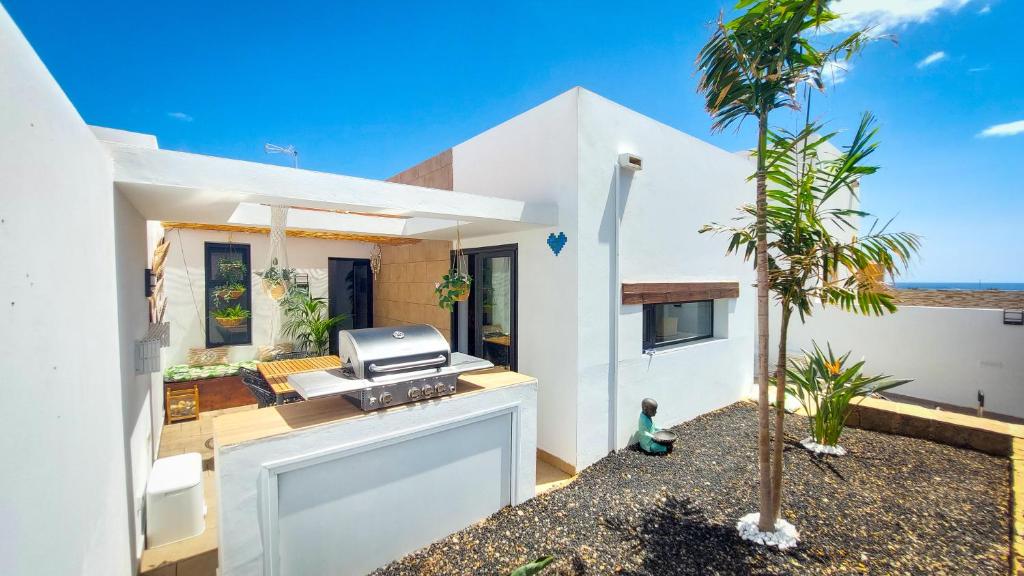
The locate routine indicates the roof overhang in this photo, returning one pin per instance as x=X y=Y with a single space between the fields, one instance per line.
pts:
x=168 y=185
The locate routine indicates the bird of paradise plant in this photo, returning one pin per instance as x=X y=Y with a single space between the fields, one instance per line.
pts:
x=826 y=387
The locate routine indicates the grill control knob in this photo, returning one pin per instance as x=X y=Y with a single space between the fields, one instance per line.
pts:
x=440 y=389
x=451 y=388
x=385 y=398
x=428 y=391
x=414 y=393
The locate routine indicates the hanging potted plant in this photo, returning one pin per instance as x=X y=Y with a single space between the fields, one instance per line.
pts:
x=455 y=285
x=276 y=279
x=231 y=317
x=230 y=291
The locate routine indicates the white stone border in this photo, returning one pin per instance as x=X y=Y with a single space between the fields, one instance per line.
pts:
x=784 y=537
x=813 y=446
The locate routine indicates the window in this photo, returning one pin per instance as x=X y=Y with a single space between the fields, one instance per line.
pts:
x=228 y=295
x=674 y=323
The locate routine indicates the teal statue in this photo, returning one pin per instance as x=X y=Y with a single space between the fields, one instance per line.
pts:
x=647 y=429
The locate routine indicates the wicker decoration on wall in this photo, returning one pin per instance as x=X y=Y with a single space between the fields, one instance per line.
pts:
x=157 y=301
x=375 y=259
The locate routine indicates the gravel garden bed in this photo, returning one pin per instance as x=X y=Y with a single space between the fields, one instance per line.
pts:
x=893 y=505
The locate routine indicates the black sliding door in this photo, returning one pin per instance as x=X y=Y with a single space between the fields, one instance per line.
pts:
x=350 y=292
x=485 y=325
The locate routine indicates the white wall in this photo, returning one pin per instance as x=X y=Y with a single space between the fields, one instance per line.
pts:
x=684 y=184
x=565 y=151
x=951 y=353
x=534 y=157
x=306 y=255
x=250 y=475
x=142 y=395
x=63 y=492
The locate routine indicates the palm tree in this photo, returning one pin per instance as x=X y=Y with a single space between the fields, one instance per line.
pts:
x=814 y=255
x=751 y=66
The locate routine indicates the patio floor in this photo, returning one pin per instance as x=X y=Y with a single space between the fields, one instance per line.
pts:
x=894 y=505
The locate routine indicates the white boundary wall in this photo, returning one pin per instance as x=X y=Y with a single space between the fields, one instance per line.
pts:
x=951 y=353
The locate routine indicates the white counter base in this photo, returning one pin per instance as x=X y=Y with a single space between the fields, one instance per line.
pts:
x=349 y=496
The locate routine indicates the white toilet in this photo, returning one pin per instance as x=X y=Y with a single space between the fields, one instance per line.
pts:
x=174 y=500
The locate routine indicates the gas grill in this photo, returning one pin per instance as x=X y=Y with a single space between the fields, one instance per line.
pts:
x=383 y=367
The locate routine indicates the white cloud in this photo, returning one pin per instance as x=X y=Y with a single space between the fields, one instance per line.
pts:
x=984 y=68
x=835 y=72
x=180 y=116
x=985 y=9
x=932 y=59
x=888 y=14
x=1008 y=129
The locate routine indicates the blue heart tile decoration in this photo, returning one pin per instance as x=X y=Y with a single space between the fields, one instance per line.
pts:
x=556 y=243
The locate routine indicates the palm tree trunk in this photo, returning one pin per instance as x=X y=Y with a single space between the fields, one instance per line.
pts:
x=766 y=522
x=780 y=412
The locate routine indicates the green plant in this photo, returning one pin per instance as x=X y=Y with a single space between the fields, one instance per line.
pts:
x=306 y=322
x=235 y=312
x=230 y=291
x=453 y=287
x=825 y=387
x=531 y=568
x=231 y=270
x=276 y=275
x=751 y=66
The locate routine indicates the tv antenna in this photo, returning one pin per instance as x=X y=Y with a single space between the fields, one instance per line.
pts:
x=286 y=150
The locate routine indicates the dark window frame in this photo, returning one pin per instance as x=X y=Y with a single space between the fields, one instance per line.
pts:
x=209 y=287
x=649 y=327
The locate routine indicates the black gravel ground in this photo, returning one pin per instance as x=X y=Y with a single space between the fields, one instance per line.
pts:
x=894 y=505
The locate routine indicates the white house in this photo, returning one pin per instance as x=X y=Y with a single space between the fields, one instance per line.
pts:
x=591 y=277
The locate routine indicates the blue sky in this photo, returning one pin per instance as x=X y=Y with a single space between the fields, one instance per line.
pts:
x=369 y=88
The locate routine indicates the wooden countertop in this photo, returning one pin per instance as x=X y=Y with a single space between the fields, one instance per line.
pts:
x=252 y=425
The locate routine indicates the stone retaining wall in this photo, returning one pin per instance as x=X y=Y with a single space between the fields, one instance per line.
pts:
x=999 y=299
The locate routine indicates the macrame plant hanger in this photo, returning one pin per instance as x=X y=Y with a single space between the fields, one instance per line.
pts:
x=277 y=276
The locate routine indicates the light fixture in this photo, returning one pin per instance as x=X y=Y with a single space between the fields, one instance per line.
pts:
x=287 y=150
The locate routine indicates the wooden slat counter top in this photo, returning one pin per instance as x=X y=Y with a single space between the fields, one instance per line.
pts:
x=250 y=425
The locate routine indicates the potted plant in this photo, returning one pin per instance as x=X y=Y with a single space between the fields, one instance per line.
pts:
x=232 y=316
x=307 y=322
x=230 y=291
x=276 y=279
x=230 y=270
x=453 y=287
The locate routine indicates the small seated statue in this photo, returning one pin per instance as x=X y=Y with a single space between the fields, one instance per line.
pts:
x=649 y=408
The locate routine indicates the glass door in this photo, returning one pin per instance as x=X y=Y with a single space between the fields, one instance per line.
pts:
x=350 y=292
x=485 y=325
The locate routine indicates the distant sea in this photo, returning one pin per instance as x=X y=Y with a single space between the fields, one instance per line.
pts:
x=962 y=285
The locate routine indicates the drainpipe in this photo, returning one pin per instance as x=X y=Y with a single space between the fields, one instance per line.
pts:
x=632 y=163
x=613 y=384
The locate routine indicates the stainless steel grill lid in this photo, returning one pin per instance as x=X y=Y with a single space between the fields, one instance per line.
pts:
x=374 y=352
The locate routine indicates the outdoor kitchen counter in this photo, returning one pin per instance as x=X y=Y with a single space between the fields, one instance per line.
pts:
x=321 y=487
x=240 y=427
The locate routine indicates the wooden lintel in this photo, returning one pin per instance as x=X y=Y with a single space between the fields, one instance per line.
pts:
x=664 y=292
x=295 y=233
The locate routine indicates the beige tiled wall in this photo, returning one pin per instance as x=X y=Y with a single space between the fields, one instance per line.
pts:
x=403 y=291
x=434 y=172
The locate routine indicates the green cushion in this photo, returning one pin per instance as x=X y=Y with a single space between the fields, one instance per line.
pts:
x=184 y=372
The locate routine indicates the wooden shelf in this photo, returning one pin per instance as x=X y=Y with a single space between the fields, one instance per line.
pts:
x=665 y=292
